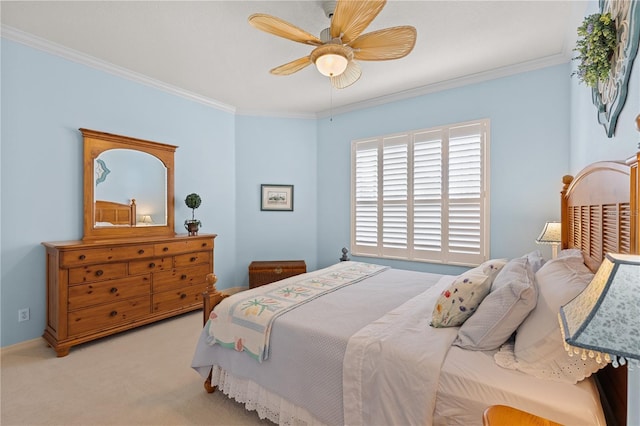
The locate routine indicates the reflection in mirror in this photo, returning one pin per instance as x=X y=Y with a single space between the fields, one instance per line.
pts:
x=123 y=175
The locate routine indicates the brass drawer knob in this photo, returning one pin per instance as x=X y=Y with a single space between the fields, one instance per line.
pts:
x=152 y=265
x=165 y=249
x=183 y=277
x=113 y=313
x=141 y=251
x=182 y=296
x=82 y=257
x=99 y=273
x=193 y=259
x=113 y=290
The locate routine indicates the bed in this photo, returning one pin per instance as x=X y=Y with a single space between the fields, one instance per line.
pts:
x=109 y=213
x=348 y=354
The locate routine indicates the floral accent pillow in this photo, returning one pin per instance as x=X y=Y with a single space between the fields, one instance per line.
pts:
x=462 y=297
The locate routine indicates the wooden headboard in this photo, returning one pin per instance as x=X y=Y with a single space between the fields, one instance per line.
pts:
x=115 y=213
x=600 y=215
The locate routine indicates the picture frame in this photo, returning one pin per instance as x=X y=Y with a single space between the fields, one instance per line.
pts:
x=276 y=198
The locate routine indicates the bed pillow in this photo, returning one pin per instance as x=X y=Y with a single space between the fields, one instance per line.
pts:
x=461 y=298
x=539 y=348
x=513 y=295
x=535 y=260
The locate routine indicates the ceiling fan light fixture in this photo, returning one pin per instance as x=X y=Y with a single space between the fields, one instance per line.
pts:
x=331 y=64
x=330 y=59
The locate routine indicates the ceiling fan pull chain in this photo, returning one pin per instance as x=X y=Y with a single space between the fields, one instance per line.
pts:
x=330 y=101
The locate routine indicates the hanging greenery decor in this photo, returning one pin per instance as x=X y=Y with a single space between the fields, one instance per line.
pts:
x=597 y=42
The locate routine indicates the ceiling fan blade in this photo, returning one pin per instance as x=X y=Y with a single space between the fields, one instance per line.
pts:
x=348 y=77
x=351 y=18
x=280 y=28
x=292 y=66
x=386 y=44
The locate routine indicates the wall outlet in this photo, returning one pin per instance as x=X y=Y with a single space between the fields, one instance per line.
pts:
x=23 y=314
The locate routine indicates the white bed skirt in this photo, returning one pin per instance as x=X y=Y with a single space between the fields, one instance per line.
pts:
x=267 y=404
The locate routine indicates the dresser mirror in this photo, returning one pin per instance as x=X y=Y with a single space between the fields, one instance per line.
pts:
x=128 y=187
x=122 y=175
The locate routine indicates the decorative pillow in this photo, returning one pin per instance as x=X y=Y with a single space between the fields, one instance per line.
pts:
x=535 y=260
x=539 y=348
x=462 y=297
x=513 y=295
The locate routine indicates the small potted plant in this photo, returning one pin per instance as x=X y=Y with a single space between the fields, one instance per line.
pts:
x=193 y=202
x=598 y=40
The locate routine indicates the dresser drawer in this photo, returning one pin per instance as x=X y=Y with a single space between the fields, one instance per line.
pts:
x=177 y=299
x=85 y=295
x=106 y=316
x=103 y=255
x=155 y=264
x=100 y=272
x=180 y=277
x=192 y=258
x=183 y=246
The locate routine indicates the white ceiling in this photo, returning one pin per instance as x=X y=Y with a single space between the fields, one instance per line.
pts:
x=208 y=51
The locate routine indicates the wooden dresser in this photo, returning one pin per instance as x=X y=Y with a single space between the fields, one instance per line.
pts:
x=98 y=288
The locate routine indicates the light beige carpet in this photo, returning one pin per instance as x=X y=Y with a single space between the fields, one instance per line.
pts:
x=140 y=377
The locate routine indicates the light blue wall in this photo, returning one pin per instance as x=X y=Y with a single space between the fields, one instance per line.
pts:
x=529 y=153
x=45 y=99
x=276 y=151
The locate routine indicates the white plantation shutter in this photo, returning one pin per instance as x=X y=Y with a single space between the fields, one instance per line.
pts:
x=395 y=167
x=465 y=192
x=422 y=195
x=428 y=193
x=365 y=229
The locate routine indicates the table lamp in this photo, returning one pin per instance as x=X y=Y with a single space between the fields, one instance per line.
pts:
x=551 y=235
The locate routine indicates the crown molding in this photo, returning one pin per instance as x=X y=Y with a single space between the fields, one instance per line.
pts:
x=549 y=61
x=47 y=46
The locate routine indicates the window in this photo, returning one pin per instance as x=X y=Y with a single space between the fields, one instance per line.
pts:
x=422 y=195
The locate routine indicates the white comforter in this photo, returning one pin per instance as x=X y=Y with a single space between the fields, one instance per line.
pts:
x=392 y=366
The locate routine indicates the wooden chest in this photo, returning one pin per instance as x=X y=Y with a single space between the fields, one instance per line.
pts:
x=267 y=271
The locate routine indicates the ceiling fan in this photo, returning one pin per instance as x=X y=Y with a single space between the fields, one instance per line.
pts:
x=340 y=45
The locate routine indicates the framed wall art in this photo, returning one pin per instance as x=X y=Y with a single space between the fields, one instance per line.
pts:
x=276 y=198
x=609 y=96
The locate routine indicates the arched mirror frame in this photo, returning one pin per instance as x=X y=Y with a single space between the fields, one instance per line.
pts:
x=97 y=142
